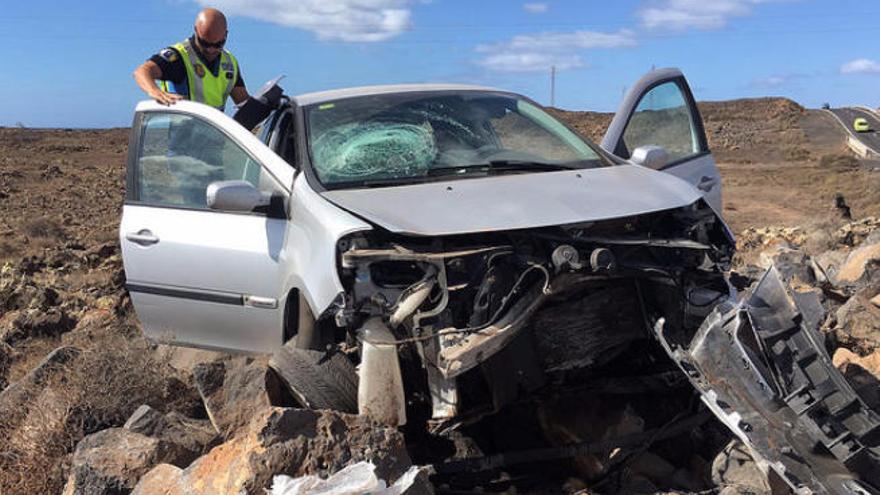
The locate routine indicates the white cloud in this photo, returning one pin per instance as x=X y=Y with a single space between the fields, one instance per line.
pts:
x=861 y=66
x=535 y=8
x=531 y=62
x=539 y=52
x=772 y=81
x=788 y=81
x=701 y=14
x=343 y=20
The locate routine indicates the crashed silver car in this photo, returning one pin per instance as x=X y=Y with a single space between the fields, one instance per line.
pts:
x=455 y=248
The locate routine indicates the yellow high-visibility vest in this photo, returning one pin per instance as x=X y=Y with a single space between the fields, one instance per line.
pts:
x=205 y=87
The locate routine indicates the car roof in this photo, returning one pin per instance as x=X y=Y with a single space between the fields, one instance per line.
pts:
x=336 y=94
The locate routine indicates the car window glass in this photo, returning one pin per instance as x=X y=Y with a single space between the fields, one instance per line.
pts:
x=261 y=130
x=180 y=156
x=531 y=130
x=663 y=118
x=413 y=135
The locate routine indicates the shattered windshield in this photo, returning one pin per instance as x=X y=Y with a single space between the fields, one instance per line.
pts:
x=411 y=137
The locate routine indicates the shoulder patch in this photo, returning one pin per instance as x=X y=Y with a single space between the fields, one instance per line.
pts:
x=169 y=54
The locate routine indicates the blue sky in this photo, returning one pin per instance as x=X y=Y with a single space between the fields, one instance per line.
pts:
x=68 y=64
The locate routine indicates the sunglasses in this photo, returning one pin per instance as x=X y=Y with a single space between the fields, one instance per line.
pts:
x=205 y=44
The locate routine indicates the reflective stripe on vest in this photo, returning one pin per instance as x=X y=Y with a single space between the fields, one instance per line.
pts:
x=205 y=87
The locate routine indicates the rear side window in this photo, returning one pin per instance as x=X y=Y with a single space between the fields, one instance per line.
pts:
x=180 y=155
x=663 y=118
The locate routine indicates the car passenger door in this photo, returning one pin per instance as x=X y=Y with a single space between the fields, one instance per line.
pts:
x=199 y=276
x=660 y=111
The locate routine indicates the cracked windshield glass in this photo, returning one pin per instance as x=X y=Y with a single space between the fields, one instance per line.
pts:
x=416 y=137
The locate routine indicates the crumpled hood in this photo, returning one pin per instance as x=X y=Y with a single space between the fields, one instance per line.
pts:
x=517 y=201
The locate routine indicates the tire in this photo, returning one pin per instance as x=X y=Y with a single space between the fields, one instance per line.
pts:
x=316 y=379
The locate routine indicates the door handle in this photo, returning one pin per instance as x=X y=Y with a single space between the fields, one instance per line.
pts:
x=707 y=183
x=143 y=237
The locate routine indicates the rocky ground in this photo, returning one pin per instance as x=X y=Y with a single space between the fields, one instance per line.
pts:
x=88 y=406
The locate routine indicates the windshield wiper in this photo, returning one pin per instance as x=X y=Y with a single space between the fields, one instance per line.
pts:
x=462 y=170
x=389 y=182
x=499 y=166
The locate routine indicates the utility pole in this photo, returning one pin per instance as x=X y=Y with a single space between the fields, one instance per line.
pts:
x=553 y=86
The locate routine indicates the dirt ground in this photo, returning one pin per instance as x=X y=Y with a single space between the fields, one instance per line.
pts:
x=60 y=199
x=59 y=188
x=801 y=190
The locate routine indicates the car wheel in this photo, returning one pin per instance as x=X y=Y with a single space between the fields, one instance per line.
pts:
x=316 y=379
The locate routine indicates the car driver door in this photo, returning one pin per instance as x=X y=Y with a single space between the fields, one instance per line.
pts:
x=198 y=275
x=659 y=111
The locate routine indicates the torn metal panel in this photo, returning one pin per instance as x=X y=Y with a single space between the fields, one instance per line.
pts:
x=462 y=351
x=762 y=369
x=460 y=354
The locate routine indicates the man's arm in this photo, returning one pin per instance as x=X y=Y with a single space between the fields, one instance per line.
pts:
x=145 y=75
x=239 y=94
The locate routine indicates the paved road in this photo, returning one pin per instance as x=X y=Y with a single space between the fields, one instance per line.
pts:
x=849 y=114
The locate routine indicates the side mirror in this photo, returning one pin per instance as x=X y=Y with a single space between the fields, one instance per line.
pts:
x=235 y=195
x=653 y=157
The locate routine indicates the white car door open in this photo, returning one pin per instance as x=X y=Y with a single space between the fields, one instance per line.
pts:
x=199 y=276
x=660 y=111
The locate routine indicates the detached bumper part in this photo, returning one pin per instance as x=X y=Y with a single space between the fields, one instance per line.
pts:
x=761 y=367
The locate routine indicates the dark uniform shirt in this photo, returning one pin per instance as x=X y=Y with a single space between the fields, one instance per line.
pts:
x=174 y=70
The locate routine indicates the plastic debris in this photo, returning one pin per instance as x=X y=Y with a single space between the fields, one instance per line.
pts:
x=357 y=479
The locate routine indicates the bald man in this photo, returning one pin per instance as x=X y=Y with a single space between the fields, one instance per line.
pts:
x=197 y=69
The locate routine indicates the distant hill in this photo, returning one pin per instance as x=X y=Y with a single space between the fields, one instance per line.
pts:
x=738 y=130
